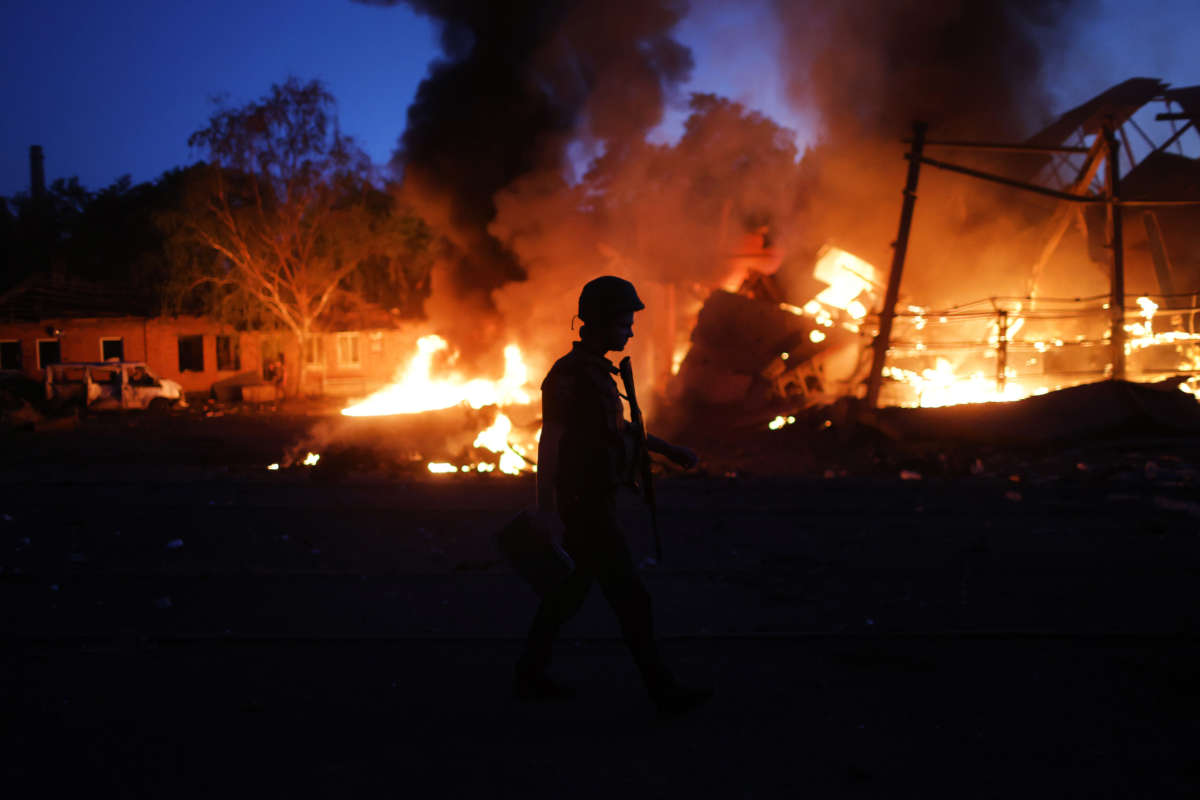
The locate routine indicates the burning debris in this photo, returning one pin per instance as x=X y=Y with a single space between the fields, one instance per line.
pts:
x=1002 y=347
x=756 y=353
x=426 y=409
x=416 y=390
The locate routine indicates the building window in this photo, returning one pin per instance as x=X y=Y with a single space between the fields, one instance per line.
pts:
x=48 y=352
x=191 y=354
x=271 y=347
x=111 y=348
x=347 y=350
x=10 y=354
x=314 y=351
x=229 y=352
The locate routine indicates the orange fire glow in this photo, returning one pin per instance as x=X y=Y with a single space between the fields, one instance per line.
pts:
x=948 y=383
x=416 y=390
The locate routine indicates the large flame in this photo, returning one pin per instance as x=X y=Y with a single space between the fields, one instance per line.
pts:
x=992 y=356
x=944 y=386
x=849 y=279
x=416 y=390
x=953 y=384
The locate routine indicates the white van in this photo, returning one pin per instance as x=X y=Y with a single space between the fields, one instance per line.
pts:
x=112 y=385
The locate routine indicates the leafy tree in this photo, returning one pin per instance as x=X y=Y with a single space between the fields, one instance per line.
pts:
x=35 y=229
x=282 y=215
x=107 y=236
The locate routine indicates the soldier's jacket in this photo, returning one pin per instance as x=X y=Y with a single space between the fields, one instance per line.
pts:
x=596 y=452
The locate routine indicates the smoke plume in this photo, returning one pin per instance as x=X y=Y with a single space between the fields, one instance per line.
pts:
x=966 y=67
x=970 y=69
x=520 y=80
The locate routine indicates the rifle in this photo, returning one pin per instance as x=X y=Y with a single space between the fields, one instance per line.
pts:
x=642 y=452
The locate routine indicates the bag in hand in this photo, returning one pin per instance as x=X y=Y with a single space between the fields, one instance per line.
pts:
x=540 y=562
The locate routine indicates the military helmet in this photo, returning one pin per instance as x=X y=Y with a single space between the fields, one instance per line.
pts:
x=606 y=297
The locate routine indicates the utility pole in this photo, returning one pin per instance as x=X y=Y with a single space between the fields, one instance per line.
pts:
x=1116 y=302
x=1001 y=351
x=888 y=313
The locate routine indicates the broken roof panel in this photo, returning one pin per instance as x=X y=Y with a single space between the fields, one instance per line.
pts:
x=1119 y=102
x=1188 y=98
x=1163 y=176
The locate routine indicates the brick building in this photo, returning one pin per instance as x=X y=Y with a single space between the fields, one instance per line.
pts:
x=49 y=319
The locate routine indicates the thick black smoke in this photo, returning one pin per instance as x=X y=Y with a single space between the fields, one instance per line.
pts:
x=966 y=67
x=518 y=81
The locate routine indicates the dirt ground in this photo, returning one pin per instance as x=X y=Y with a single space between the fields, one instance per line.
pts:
x=879 y=621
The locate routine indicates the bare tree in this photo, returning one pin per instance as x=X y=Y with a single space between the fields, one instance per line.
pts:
x=281 y=214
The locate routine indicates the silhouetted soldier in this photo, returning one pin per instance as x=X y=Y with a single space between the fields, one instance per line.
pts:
x=584 y=456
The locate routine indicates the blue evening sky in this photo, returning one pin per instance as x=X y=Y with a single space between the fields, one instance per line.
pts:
x=109 y=88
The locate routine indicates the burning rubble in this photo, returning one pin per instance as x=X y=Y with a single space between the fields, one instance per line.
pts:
x=780 y=334
x=1006 y=345
x=416 y=390
x=430 y=404
x=1006 y=296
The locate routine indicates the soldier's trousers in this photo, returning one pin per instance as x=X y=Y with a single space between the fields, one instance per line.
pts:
x=596 y=541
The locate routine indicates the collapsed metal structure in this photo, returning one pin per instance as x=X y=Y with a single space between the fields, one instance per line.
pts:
x=782 y=351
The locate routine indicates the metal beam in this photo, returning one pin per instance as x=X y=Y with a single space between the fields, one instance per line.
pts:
x=1063 y=214
x=1055 y=193
x=1002 y=147
x=987 y=176
x=1116 y=303
x=1174 y=137
x=1158 y=251
x=888 y=313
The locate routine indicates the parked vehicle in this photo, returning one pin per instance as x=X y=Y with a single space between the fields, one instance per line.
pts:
x=112 y=385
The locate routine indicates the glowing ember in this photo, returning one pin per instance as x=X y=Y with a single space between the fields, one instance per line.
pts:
x=780 y=421
x=415 y=390
x=441 y=467
x=311 y=459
